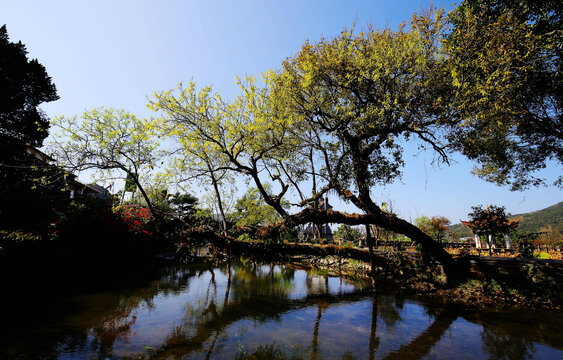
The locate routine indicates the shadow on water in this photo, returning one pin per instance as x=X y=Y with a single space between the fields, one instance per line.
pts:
x=247 y=310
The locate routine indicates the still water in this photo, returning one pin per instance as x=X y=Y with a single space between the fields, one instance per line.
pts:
x=248 y=310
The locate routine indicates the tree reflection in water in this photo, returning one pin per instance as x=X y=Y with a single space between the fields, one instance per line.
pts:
x=503 y=346
x=250 y=310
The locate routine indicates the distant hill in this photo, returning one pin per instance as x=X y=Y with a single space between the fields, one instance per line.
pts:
x=531 y=222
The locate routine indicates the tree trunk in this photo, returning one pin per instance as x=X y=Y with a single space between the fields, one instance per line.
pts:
x=369 y=240
x=218 y=194
x=384 y=220
x=507 y=239
x=157 y=216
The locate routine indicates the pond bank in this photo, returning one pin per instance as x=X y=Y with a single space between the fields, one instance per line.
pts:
x=532 y=285
x=487 y=282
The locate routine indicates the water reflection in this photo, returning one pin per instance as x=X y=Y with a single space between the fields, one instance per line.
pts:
x=501 y=346
x=250 y=310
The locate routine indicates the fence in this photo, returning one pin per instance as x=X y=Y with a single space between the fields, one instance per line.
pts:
x=457 y=245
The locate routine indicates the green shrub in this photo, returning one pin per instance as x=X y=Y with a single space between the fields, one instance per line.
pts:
x=541 y=255
x=245 y=237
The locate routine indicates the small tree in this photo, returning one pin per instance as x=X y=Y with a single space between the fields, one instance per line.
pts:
x=347 y=233
x=251 y=210
x=489 y=222
x=435 y=227
x=109 y=141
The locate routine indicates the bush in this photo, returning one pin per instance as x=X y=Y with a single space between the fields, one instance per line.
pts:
x=541 y=255
x=135 y=217
x=245 y=237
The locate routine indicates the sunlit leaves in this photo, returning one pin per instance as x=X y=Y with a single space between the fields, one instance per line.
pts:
x=505 y=64
x=246 y=135
x=364 y=93
x=105 y=140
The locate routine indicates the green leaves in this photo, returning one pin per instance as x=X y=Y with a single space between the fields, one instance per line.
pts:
x=105 y=139
x=363 y=94
x=505 y=66
x=113 y=143
x=252 y=211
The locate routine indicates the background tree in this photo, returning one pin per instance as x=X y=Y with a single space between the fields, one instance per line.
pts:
x=506 y=67
x=347 y=233
x=490 y=222
x=24 y=85
x=29 y=187
x=436 y=226
x=155 y=186
x=551 y=235
x=184 y=205
x=113 y=143
x=251 y=210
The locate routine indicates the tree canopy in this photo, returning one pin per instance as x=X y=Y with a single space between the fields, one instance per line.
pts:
x=107 y=140
x=436 y=226
x=490 y=220
x=336 y=116
x=336 y=113
x=505 y=64
x=24 y=85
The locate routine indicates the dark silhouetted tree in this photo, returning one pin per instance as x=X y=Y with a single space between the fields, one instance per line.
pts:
x=24 y=85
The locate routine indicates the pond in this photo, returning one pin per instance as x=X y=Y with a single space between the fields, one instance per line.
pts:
x=260 y=311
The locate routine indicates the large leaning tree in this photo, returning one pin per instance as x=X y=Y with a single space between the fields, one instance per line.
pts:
x=337 y=115
x=339 y=112
x=365 y=96
x=111 y=143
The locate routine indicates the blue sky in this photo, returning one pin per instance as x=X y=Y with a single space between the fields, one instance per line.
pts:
x=118 y=53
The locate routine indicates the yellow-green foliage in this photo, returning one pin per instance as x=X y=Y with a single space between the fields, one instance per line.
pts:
x=105 y=140
x=505 y=75
x=541 y=255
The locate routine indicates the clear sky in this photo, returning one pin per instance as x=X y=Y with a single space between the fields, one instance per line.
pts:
x=117 y=53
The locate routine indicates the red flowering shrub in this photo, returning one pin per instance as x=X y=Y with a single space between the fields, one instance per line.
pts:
x=135 y=217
